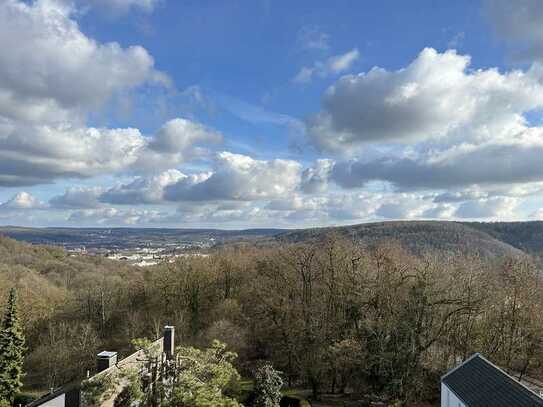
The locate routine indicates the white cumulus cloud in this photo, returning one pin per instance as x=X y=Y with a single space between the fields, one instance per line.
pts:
x=434 y=98
x=518 y=23
x=332 y=66
x=22 y=200
x=51 y=77
x=488 y=208
x=240 y=177
x=179 y=140
x=78 y=198
x=143 y=190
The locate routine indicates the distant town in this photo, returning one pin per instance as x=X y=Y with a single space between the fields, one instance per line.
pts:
x=148 y=256
x=141 y=247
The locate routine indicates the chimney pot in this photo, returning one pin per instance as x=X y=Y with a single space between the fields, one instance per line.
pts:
x=105 y=360
x=169 y=341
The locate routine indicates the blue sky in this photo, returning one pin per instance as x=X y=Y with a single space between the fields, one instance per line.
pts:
x=238 y=114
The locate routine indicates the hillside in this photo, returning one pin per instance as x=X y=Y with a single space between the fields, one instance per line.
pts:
x=114 y=238
x=73 y=306
x=420 y=237
x=47 y=278
x=50 y=259
x=488 y=239
x=526 y=236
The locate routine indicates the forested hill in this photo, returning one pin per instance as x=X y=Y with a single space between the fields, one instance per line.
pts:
x=72 y=307
x=486 y=239
x=115 y=238
x=526 y=236
x=58 y=295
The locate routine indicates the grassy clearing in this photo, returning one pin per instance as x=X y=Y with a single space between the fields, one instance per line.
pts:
x=295 y=395
x=245 y=387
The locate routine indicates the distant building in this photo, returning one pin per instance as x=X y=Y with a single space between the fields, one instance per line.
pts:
x=479 y=383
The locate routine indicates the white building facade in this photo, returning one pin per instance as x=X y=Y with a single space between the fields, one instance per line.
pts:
x=448 y=398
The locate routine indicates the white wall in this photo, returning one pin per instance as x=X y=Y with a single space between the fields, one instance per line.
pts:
x=59 y=401
x=448 y=399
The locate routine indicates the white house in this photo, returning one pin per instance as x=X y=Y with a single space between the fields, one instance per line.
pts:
x=64 y=397
x=477 y=382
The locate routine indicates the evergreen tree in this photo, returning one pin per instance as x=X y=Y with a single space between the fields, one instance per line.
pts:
x=204 y=378
x=268 y=385
x=12 y=348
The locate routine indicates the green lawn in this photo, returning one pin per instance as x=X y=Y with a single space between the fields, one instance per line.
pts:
x=294 y=394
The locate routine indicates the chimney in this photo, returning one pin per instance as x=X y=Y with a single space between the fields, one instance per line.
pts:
x=169 y=341
x=105 y=360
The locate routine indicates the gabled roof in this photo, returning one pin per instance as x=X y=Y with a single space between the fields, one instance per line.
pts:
x=480 y=383
x=71 y=391
x=105 y=354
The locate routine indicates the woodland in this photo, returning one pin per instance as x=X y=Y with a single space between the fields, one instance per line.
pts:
x=334 y=316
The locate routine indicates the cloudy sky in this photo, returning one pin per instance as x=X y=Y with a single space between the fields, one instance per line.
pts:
x=237 y=114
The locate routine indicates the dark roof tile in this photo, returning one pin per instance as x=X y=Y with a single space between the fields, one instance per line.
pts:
x=479 y=383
